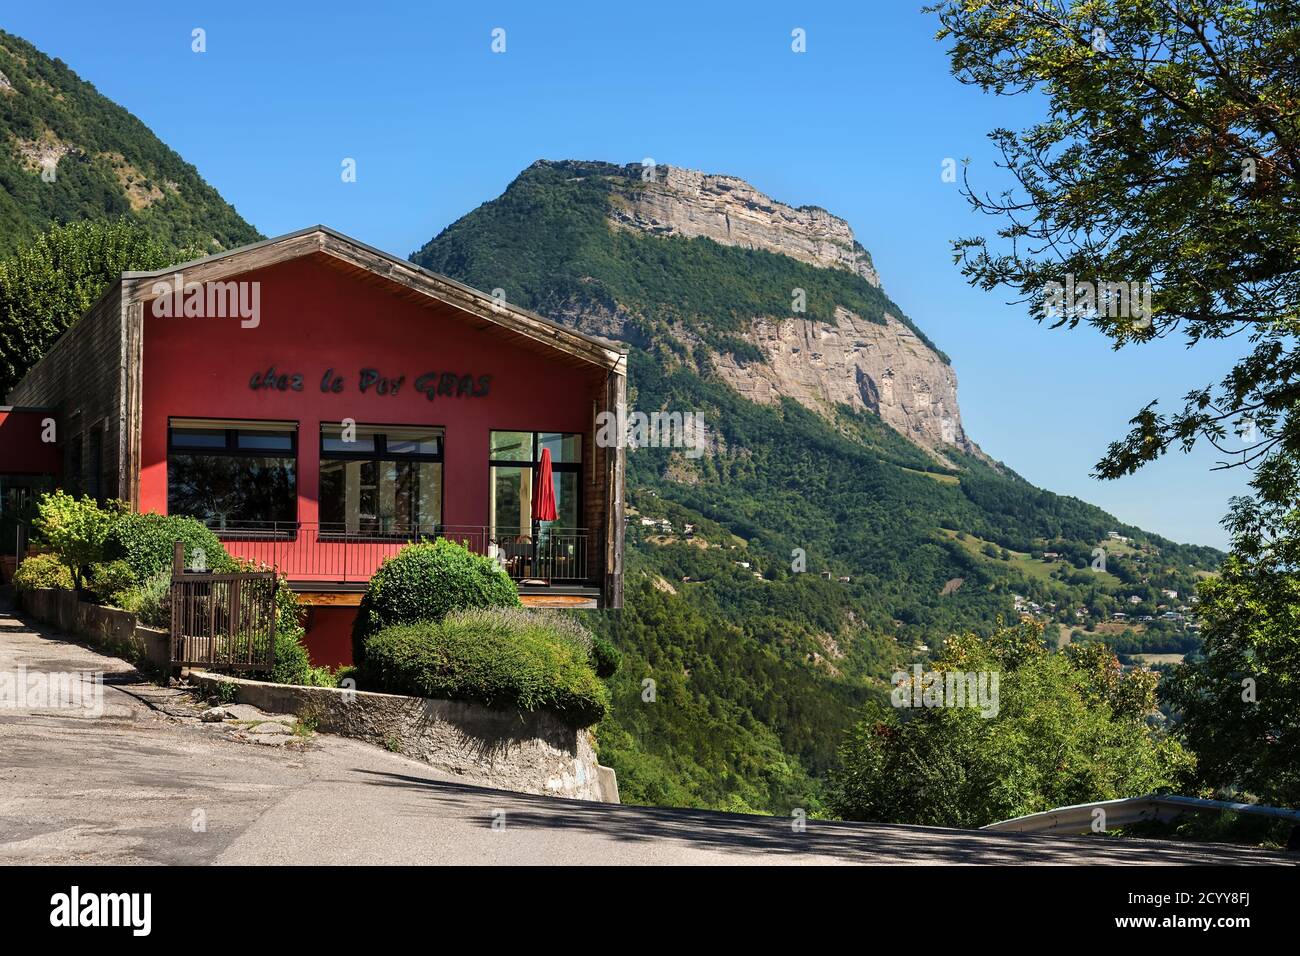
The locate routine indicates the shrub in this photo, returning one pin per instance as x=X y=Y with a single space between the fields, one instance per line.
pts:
x=293 y=665
x=600 y=653
x=605 y=657
x=562 y=628
x=151 y=601
x=146 y=542
x=495 y=659
x=76 y=528
x=42 y=571
x=424 y=582
x=292 y=662
x=108 y=579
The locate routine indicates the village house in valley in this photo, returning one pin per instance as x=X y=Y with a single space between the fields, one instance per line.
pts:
x=319 y=403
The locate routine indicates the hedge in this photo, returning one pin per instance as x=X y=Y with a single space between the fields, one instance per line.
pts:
x=424 y=582
x=146 y=541
x=503 y=663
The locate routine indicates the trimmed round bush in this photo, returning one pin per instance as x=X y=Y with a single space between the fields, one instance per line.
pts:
x=42 y=571
x=145 y=542
x=425 y=582
x=503 y=662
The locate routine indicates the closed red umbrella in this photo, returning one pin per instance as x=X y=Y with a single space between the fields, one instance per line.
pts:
x=544 y=493
x=543 y=504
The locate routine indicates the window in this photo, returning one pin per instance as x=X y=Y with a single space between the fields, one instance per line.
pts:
x=513 y=461
x=233 y=475
x=380 y=479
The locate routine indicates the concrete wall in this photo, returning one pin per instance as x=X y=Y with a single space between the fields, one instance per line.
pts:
x=512 y=750
x=113 y=630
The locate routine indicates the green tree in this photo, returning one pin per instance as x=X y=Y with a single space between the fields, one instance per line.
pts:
x=48 y=284
x=1170 y=155
x=1069 y=728
x=1240 y=705
x=76 y=529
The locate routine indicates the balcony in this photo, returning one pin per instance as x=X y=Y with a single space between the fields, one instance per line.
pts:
x=321 y=553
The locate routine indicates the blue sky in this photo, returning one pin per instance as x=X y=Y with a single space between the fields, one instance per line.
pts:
x=437 y=123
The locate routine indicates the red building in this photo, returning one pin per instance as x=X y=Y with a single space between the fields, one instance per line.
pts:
x=318 y=403
x=29 y=466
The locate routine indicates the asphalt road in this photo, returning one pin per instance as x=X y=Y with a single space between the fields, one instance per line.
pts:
x=145 y=782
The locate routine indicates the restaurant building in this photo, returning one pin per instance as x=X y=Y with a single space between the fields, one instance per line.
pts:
x=318 y=403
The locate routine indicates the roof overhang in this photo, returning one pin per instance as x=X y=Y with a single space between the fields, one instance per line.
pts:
x=346 y=252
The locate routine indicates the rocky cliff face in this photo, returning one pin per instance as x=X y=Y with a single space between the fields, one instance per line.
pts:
x=886 y=368
x=883 y=368
x=686 y=202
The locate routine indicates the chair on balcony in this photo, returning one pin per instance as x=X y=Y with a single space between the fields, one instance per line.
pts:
x=516 y=552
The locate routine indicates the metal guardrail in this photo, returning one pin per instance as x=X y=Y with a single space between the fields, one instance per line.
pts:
x=1118 y=813
x=306 y=551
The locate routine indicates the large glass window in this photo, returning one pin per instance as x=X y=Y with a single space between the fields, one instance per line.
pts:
x=233 y=475
x=514 y=457
x=380 y=479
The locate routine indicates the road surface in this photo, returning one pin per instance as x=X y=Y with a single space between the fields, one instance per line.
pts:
x=147 y=783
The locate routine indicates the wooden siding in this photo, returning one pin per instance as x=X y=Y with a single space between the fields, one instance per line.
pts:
x=84 y=379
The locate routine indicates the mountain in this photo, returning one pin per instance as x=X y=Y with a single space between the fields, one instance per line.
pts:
x=69 y=153
x=627 y=261
x=842 y=523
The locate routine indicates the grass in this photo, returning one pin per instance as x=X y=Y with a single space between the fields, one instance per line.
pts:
x=942 y=477
x=1025 y=562
x=1158 y=658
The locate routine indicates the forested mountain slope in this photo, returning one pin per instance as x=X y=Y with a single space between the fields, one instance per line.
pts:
x=69 y=153
x=841 y=522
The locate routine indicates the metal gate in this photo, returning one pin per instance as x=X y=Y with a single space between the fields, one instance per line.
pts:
x=222 y=621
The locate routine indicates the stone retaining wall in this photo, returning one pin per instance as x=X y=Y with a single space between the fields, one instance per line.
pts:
x=109 y=628
x=512 y=750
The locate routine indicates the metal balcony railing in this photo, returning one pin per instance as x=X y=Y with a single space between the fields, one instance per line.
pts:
x=305 y=551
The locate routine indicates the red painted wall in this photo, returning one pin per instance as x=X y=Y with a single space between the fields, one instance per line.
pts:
x=329 y=635
x=314 y=318
x=21 y=448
